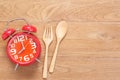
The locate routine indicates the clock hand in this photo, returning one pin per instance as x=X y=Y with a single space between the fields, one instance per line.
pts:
x=23 y=45
x=26 y=45
x=23 y=48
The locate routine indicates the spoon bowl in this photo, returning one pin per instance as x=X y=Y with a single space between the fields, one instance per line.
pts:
x=61 y=30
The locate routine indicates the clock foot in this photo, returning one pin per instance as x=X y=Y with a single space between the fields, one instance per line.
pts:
x=38 y=60
x=16 y=67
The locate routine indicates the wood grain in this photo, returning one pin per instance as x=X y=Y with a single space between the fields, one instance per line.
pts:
x=91 y=49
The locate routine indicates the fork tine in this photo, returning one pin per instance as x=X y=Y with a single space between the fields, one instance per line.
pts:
x=44 y=34
x=51 y=32
x=47 y=33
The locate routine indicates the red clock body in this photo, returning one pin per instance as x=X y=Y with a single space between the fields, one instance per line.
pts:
x=23 y=48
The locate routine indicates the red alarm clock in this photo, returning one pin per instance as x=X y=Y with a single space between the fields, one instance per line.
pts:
x=23 y=48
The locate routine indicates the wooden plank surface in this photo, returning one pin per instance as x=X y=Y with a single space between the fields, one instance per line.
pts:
x=91 y=49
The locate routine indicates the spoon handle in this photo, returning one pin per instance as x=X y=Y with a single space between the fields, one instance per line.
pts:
x=52 y=65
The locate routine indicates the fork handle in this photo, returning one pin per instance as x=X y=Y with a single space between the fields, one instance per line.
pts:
x=52 y=65
x=45 y=64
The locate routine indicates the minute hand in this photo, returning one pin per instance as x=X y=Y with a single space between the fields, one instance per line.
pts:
x=23 y=48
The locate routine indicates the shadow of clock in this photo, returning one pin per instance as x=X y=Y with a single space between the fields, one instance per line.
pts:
x=28 y=72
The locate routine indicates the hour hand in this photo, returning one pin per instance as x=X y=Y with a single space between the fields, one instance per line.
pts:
x=23 y=48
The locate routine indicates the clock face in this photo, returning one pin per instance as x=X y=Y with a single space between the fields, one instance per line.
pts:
x=23 y=48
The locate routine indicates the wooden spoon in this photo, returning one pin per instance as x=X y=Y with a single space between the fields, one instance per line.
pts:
x=60 y=34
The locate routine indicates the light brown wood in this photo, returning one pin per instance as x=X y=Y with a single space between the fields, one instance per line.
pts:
x=90 y=50
x=61 y=31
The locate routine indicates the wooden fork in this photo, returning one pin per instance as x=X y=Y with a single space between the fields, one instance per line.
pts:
x=47 y=38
